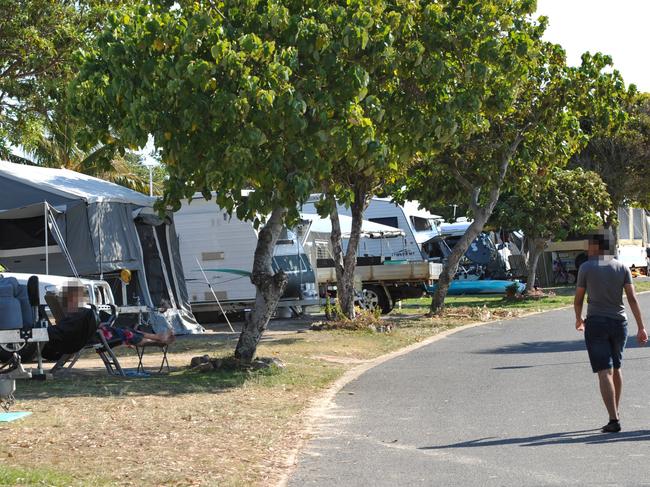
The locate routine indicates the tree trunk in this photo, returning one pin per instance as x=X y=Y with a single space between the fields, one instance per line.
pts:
x=481 y=216
x=269 y=287
x=536 y=249
x=451 y=266
x=345 y=265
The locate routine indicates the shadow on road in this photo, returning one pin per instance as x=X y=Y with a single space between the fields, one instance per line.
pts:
x=549 y=347
x=537 y=347
x=587 y=437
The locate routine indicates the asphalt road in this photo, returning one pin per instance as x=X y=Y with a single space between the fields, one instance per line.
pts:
x=510 y=403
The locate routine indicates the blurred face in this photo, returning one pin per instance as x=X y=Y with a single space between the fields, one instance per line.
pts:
x=73 y=295
x=593 y=249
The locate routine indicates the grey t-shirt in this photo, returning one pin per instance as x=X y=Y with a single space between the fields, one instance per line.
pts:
x=604 y=277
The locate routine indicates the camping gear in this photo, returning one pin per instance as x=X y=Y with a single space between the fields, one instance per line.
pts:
x=21 y=330
x=56 y=221
x=8 y=417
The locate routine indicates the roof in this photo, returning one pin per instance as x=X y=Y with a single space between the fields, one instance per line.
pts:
x=412 y=208
x=71 y=184
x=368 y=229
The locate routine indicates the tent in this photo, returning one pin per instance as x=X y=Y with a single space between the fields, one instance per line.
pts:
x=94 y=229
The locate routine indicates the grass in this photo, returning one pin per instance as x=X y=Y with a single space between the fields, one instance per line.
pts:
x=32 y=476
x=215 y=428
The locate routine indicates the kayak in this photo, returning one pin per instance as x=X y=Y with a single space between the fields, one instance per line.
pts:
x=479 y=286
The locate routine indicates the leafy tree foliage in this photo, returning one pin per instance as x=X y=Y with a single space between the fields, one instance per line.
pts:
x=622 y=158
x=216 y=87
x=55 y=146
x=537 y=131
x=37 y=41
x=551 y=208
x=429 y=74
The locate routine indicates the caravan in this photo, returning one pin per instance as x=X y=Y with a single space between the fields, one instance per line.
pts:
x=217 y=252
x=383 y=275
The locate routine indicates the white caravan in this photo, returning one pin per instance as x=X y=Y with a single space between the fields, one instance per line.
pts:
x=418 y=225
x=223 y=247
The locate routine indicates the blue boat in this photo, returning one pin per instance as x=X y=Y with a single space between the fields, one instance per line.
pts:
x=477 y=286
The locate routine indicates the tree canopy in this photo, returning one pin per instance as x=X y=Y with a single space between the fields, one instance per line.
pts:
x=538 y=131
x=622 y=158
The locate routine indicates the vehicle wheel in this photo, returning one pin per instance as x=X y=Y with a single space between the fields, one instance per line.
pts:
x=26 y=351
x=375 y=297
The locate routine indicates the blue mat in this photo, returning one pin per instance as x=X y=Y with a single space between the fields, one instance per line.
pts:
x=7 y=417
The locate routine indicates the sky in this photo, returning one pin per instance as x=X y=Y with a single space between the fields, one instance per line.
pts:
x=619 y=28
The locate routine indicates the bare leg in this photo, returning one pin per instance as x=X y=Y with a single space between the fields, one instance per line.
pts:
x=608 y=392
x=618 y=386
x=164 y=338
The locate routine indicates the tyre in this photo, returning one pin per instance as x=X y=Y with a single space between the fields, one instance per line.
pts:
x=375 y=298
x=26 y=351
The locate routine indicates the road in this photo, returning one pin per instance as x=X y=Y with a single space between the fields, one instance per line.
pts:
x=510 y=403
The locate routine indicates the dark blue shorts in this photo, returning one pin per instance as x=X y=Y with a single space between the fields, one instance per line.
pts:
x=605 y=338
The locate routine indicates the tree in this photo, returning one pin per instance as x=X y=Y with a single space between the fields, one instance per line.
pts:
x=418 y=76
x=56 y=146
x=537 y=131
x=622 y=158
x=288 y=97
x=37 y=41
x=215 y=87
x=551 y=208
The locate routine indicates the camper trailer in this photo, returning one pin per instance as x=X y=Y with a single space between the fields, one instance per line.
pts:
x=217 y=252
x=60 y=222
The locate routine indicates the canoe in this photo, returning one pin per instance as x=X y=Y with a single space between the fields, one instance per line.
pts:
x=480 y=286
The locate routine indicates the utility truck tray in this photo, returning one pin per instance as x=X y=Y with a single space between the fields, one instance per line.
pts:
x=389 y=271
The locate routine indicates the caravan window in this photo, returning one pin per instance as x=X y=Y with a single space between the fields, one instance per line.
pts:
x=390 y=221
x=421 y=224
x=291 y=263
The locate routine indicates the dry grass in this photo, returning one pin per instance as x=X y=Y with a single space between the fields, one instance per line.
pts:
x=190 y=428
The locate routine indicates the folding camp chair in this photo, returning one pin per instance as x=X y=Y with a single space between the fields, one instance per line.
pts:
x=102 y=346
x=140 y=349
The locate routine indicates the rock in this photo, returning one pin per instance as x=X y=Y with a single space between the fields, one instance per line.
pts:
x=259 y=365
x=216 y=363
x=196 y=361
x=267 y=363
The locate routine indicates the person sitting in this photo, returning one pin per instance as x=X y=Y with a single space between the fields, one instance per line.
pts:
x=79 y=325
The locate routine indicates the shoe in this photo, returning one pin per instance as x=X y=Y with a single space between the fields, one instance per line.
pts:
x=612 y=427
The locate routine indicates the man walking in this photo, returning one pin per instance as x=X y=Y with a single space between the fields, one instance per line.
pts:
x=604 y=278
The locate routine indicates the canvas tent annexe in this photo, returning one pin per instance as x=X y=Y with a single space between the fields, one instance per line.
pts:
x=104 y=228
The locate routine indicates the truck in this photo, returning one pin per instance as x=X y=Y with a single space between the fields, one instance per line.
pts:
x=390 y=266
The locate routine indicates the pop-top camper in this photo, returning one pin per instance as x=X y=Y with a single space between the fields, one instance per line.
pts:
x=56 y=221
x=219 y=248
